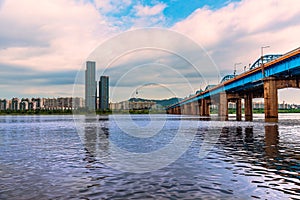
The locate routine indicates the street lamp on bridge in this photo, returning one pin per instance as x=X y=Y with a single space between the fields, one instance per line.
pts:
x=262 y=59
x=235 y=64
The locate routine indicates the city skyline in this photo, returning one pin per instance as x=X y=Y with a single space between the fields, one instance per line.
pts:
x=42 y=52
x=39 y=103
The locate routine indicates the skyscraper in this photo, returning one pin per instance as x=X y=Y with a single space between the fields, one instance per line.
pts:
x=104 y=92
x=90 y=86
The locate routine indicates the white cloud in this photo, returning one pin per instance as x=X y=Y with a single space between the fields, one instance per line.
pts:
x=49 y=34
x=236 y=32
x=128 y=14
x=150 y=10
x=54 y=35
x=107 y=6
x=148 y=21
x=147 y=16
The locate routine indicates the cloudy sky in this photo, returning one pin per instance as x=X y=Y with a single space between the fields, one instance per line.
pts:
x=44 y=44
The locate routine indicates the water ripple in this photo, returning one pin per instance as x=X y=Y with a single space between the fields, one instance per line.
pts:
x=42 y=157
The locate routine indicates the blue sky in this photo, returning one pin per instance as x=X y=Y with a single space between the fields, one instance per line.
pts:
x=175 y=10
x=45 y=43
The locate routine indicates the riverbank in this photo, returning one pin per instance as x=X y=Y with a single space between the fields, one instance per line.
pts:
x=108 y=112
x=36 y=112
x=51 y=112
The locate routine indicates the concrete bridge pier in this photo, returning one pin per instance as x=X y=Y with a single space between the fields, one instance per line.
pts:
x=223 y=106
x=204 y=107
x=207 y=108
x=197 y=108
x=187 y=109
x=184 y=109
x=239 y=109
x=270 y=99
x=193 y=106
x=178 y=110
x=173 y=111
x=201 y=107
x=248 y=107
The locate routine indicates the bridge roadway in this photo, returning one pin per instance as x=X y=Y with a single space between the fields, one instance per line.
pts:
x=260 y=82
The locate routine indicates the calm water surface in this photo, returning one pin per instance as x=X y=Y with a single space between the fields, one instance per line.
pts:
x=45 y=157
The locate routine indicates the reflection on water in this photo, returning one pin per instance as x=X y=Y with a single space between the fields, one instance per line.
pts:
x=42 y=157
x=95 y=138
x=271 y=141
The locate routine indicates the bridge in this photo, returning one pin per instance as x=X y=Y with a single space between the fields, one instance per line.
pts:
x=268 y=74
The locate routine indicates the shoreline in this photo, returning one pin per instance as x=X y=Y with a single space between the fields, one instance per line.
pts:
x=120 y=113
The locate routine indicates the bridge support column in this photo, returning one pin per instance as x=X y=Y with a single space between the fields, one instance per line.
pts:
x=205 y=107
x=189 y=109
x=172 y=111
x=270 y=100
x=178 y=110
x=197 y=107
x=248 y=107
x=223 y=106
x=193 y=108
x=184 y=109
x=201 y=108
x=238 y=110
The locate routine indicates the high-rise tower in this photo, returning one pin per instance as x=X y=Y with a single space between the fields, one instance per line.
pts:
x=104 y=92
x=90 y=86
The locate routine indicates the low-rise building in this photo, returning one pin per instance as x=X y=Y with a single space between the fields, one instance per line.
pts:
x=24 y=105
x=15 y=104
x=63 y=103
x=38 y=103
x=4 y=104
x=132 y=105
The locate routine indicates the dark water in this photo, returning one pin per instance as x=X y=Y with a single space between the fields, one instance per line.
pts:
x=44 y=157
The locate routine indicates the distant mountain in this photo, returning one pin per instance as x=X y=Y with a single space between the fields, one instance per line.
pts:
x=163 y=102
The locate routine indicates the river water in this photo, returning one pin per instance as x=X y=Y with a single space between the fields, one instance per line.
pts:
x=148 y=157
